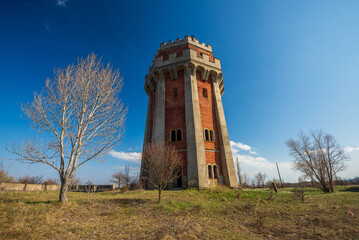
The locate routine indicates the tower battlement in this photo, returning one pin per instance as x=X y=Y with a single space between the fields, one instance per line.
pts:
x=185 y=40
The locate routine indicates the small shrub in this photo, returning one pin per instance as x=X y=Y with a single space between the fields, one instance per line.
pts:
x=270 y=195
x=298 y=194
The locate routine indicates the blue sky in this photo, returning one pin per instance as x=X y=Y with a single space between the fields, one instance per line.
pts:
x=287 y=65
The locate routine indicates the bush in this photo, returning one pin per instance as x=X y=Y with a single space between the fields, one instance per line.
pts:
x=31 y=180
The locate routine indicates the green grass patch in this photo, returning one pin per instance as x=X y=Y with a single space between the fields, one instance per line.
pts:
x=188 y=214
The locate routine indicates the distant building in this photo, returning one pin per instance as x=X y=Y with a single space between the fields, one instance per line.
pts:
x=184 y=87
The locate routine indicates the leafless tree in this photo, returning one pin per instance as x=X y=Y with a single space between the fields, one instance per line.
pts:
x=260 y=179
x=319 y=157
x=245 y=180
x=162 y=165
x=31 y=180
x=74 y=181
x=79 y=115
x=120 y=177
x=239 y=174
x=126 y=175
x=135 y=182
x=50 y=181
x=4 y=175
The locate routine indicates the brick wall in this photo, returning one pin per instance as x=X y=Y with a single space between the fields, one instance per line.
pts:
x=209 y=120
x=153 y=104
x=179 y=51
x=175 y=117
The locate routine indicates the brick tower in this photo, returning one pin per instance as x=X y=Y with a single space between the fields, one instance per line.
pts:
x=184 y=87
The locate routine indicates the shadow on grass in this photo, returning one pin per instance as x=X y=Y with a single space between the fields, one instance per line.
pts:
x=38 y=202
x=351 y=189
x=127 y=201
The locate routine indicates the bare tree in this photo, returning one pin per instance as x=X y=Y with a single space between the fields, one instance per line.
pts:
x=118 y=178
x=50 y=181
x=4 y=175
x=126 y=175
x=135 y=182
x=245 y=180
x=79 y=115
x=162 y=165
x=260 y=179
x=31 y=180
x=239 y=174
x=319 y=157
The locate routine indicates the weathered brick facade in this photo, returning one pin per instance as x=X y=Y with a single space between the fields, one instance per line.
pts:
x=184 y=86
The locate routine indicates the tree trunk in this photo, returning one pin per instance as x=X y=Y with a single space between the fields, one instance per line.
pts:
x=159 y=195
x=63 y=191
x=324 y=188
x=331 y=185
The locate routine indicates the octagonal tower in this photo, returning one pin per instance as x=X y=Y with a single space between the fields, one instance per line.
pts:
x=184 y=87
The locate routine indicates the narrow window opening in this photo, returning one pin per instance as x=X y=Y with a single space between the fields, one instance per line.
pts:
x=215 y=171
x=175 y=92
x=211 y=135
x=210 y=171
x=205 y=94
x=179 y=135
x=206 y=135
x=173 y=135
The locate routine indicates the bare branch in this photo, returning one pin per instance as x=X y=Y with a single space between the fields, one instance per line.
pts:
x=80 y=114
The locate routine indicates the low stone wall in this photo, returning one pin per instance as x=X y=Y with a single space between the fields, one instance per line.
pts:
x=43 y=187
x=28 y=187
x=93 y=188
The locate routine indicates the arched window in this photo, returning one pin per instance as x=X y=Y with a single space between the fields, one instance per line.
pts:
x=179 y=135
x=211 y=135
x=215 y=169
x=173 y=135
x=204 y=91
x=206 y=135
x=210 y=171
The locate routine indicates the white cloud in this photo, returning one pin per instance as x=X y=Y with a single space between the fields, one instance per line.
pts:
x=238 y=146
x=251 y=165
x=351 y=149
x=127 y=156
x=61 y=3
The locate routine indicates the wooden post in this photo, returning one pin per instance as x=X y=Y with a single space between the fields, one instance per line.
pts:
x=275 y=187
x=280 y=179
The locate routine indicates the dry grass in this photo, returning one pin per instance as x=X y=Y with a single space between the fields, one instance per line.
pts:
x=187 y=214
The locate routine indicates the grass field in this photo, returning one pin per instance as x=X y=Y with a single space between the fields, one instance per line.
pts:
x=186 y=214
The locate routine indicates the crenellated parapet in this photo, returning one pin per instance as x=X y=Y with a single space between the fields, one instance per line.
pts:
x=185 y=40
x=175 y=56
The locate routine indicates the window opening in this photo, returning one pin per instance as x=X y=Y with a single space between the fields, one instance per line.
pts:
x=205 y=94
x=175 y=92
x=173 y=135
x=215 y=171
x=210 y=171
x=206 y=135
x=179 y=135
x=211 y=135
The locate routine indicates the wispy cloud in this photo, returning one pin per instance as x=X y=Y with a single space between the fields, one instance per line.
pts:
x=127 y=156
x=238 y=146
x=351 y=149
x=251 y=165
x=61 y=3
